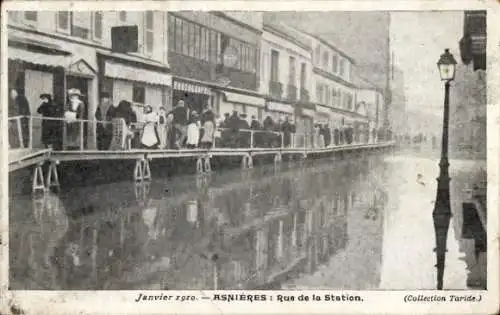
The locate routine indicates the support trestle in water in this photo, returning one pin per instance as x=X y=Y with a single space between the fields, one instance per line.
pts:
x=142 y=171
x=247 y=161
x=44 y=183
x=203 y=164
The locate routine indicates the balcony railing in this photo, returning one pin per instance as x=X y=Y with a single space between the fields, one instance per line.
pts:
x=304 y=95
x=291 y=92
x=275 y=89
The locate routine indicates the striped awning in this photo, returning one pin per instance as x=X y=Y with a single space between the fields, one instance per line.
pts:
x=38 y=58
x=121 y=71
x=192 y=88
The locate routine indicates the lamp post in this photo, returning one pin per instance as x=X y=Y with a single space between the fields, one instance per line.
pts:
x=442 y=209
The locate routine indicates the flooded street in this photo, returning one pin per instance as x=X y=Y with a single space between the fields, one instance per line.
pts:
x=361 y=223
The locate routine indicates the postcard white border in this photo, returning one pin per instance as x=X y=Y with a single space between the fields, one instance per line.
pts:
x=121 y=302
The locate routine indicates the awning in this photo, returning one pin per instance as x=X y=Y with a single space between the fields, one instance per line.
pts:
x=192 y=88
x=121 y=71
x=308 y=112
x=323 y=110
x=280 y=107
x=38 y=58
x=244 y=99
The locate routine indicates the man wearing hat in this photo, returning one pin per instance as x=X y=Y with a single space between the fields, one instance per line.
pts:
x=103 y=130
x=244 y=137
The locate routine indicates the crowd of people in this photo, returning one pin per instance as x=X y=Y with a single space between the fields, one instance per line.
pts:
x=181 y=127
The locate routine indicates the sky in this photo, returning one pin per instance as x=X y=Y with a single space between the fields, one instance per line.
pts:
x=417 y=41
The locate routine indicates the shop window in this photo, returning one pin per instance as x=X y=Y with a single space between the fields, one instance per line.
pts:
x=30 y=17
x=139 y=94
x=97 y=18
x=63 y=19
x=107 y=86
x=148 y=32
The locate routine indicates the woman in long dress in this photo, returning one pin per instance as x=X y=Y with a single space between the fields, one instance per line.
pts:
x=193 y=131
x=149 y=137
x=74 y=128
x=208 y=123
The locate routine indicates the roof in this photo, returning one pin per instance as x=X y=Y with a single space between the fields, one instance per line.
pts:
x=327 y=43
x=363 y=83
x=288 y=33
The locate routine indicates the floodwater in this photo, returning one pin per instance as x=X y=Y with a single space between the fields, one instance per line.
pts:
x=362 y=223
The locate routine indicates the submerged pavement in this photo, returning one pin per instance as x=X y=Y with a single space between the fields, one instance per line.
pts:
x=363 y=223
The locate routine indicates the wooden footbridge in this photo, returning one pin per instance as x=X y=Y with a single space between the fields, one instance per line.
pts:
x=28 y=157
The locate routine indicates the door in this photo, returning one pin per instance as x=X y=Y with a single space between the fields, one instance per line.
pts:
x=82 y=84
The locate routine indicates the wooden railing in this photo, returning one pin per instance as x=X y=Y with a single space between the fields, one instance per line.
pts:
x=28 y=136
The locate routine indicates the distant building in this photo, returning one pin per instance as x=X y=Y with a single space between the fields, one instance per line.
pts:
x=215 y=58
x=372 y=98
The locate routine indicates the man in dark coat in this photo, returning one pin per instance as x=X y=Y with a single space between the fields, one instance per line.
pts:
x=255 y=125
x=51 y=128
x=103 y=131
x=180 y=122
x=287 y=129
x=244 y=134
x=327 y=135
x=233 y=124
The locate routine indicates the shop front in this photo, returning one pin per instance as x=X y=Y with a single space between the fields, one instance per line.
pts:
x=196 y=96
x=279 y=110
x=139 y=84
x=304 y=122
x=250 y=104
x=36 y=67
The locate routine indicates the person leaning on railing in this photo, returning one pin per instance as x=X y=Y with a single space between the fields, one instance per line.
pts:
x=51 y=128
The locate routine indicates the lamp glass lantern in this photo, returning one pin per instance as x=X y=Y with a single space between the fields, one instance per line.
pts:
x=446 y=66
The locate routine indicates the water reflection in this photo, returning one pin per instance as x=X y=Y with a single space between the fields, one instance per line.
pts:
x=246 y=229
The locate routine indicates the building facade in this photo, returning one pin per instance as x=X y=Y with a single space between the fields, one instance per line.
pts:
x=52 y=52
x=286 y=79
x=370 y=104
x=215 y=58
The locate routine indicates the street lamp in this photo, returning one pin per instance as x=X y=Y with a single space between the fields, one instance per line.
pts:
x=442 y=209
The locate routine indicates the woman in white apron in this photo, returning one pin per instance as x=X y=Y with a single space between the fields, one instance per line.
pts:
x=193 y=131
x=149 y=137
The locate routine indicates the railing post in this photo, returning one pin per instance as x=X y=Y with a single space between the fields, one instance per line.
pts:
x=282 y=139
x=30 y=141
x=252 y=133
x=20 y=132
x=81 y=135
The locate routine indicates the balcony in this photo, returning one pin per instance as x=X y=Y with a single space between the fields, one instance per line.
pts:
x=275 y=89
x=304 y=95
x=291 y=92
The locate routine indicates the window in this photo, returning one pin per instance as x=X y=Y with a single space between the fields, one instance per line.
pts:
x=178 y=35
x=31 y=16
x=275 y=55
x=303 y=75
x=98 y=25
x=319 y=93
x=334 y=96
x=80 y=24
x=326 y=58
x=197 y=41
x=13 y=16
x=335 y=66
x=317 y=54
x=63 y=18
x=185 y=38
x=291 y=76
x=342 y=67
x=139 y=94
x=149 y=32
x=123 y=16
x=327 y=95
